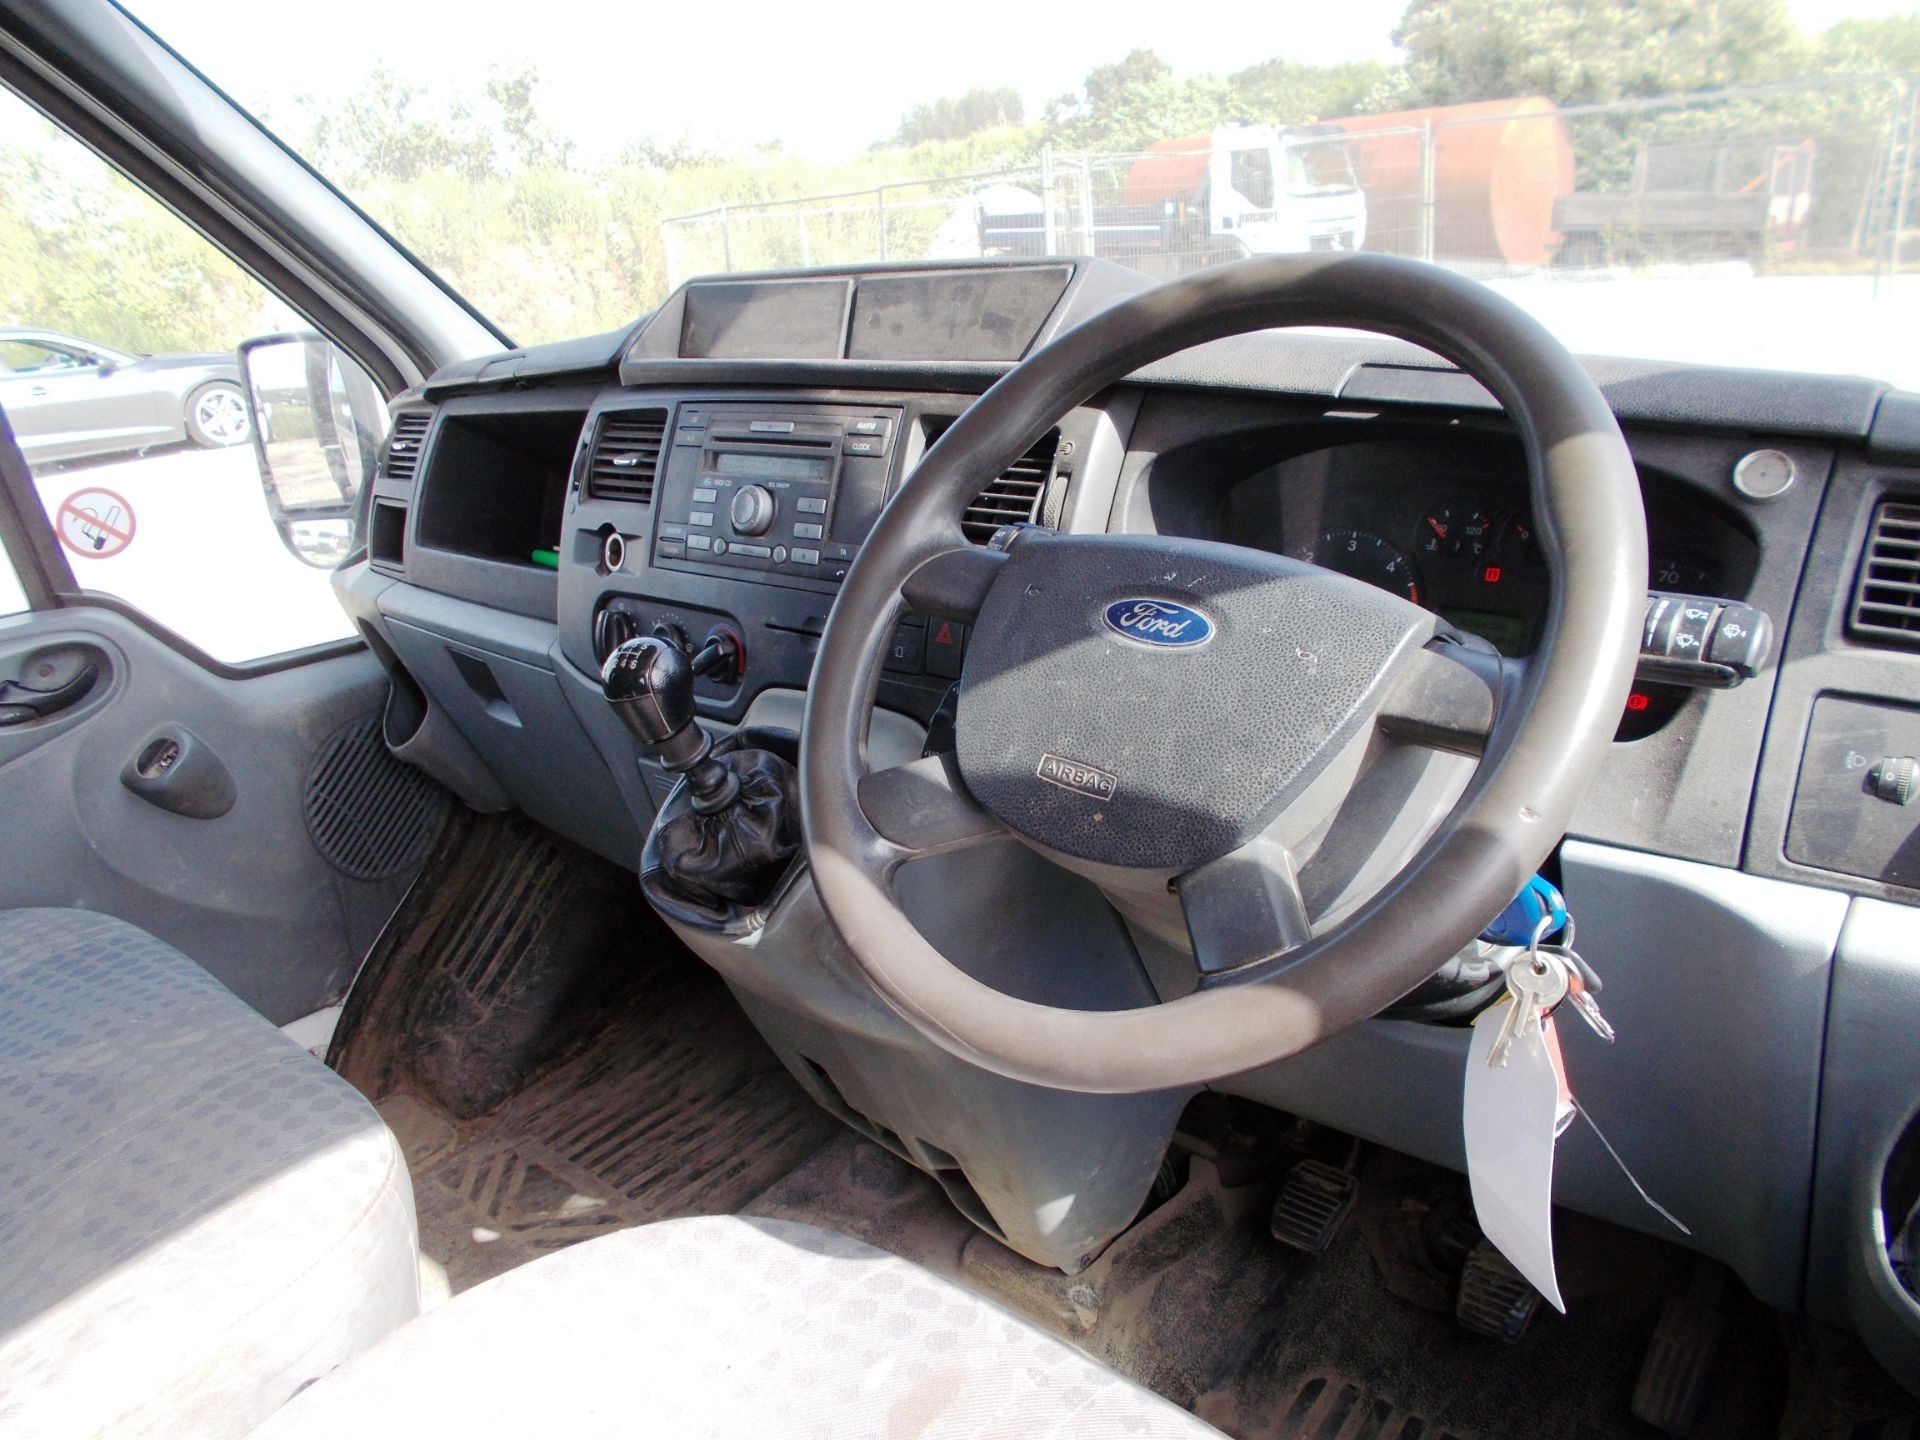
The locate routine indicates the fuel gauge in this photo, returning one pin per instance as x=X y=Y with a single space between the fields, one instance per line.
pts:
x=1519 y=546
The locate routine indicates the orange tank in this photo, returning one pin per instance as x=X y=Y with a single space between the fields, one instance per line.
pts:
x=1498 y=166
x=1169 y=170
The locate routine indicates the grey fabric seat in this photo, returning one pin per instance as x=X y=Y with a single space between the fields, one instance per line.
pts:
x=725 y=1327
x=196 y=1216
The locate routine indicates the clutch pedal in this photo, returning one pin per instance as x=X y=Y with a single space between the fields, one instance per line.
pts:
x=1313 y=1201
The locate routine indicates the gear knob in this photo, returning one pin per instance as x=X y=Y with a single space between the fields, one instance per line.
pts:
x=649 y=684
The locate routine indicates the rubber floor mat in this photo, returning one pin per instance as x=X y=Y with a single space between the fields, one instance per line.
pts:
x=555 y=1063
x=1200 y=1304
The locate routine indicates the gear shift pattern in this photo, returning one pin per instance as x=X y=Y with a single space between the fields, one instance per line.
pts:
x=649 y=684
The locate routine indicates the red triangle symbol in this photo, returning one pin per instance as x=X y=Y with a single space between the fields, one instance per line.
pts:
x=944 y=635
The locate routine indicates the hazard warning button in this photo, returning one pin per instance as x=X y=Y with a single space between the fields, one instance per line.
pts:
x=946 y=644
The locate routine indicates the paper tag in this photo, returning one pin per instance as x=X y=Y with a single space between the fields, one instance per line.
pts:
x=1512 y=1115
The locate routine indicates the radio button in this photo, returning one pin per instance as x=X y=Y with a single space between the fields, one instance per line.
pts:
x=757 y=552
x=705 y=496
x=703 y=518
x=873 y=425
x=700 y=542
x=808 y=532
x=779 y=554
x=812 y=505
x=864 y=445
x=672 y=549
x=719 y=546
x=806 y=557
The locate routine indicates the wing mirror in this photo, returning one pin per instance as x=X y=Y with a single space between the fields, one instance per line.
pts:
x=317 y=426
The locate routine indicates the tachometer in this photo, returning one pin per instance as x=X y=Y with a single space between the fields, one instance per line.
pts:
x=1365 y=557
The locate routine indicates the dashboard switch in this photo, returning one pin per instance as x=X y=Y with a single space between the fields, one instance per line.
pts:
x=1896 y=779
x=946 y=646
x=1699 y=641
x=904 y=654
x=751 y=511
x=1741 y=638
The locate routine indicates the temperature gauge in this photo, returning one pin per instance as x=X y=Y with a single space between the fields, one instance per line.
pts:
x=1456 y=534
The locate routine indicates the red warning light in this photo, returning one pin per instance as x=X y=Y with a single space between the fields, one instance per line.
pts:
x=1491 y=574
x=1638 y=700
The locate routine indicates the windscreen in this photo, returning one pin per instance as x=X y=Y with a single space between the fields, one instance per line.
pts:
x=1736 y=184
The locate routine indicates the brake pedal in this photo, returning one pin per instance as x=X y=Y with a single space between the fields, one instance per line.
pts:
x=1673 y=1374
x=1313 y=1201
x=1495 y=1299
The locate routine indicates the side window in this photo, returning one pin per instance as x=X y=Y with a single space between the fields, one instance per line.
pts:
x=12 y=598
x=1253 y=177
x=119 y=372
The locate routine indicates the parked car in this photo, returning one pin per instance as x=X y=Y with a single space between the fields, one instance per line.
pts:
x=70 y=399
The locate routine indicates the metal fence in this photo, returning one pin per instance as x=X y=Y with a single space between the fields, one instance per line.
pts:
x=1816 y=175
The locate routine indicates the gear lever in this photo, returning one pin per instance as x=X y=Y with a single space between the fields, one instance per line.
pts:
x=649 y=684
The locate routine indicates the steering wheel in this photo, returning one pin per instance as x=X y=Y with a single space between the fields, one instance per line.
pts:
x=1183 y=721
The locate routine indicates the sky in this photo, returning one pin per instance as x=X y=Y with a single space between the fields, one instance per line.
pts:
x=614 y=72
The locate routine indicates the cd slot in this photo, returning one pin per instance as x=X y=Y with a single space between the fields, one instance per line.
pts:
x=775 y=442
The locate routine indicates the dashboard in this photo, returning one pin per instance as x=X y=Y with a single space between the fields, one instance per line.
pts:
x=710 y=474
x=1447 y=526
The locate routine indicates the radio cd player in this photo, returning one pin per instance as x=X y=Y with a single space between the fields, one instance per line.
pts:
x=786 y=490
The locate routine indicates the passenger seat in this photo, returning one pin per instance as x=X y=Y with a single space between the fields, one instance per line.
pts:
x=196 y=1217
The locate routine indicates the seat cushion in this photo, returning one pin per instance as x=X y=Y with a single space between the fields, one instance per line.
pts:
x=196 y=1216
x=725 y=1327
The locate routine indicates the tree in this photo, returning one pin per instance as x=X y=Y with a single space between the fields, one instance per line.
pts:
x=958 y=116
x=1287 y=92
x=1886 y=46
x=1132 y=103
x=533 y=144
x=1585 y=51
x=392 y=130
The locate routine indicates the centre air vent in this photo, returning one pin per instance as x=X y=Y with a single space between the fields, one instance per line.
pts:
x=404 y=444
x=1013 y=499
x=626 y=456
x=1886 y=593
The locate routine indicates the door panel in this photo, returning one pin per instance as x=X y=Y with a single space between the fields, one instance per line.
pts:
x=81 y=410
x=246 y=891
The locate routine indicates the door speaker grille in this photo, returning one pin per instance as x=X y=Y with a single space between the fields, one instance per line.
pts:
x=371 y=815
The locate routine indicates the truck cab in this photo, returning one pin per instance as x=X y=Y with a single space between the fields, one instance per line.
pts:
x=1254 y=190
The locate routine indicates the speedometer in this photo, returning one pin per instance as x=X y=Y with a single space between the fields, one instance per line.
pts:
x=1365 y=557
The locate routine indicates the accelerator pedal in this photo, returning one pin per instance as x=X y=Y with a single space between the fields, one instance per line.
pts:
x=1673 y=1374
x=1495 y=1299
x=1314 y=1200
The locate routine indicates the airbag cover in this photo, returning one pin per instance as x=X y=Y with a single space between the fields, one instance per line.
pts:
x=1095 y=731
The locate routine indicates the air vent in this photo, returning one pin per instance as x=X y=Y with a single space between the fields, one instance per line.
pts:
x=626 y=456
x=404 y=444
x=1886 y=594
x=1014 y=498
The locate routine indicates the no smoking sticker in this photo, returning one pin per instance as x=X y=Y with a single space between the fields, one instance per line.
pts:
x=95 y=523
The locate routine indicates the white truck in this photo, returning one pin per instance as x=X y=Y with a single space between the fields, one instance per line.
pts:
x=1186 y=203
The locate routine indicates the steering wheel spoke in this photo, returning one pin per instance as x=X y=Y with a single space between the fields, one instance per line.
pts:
x=1448 y=698
x=953 y=585
x=1241 y=910
x=922 y=808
